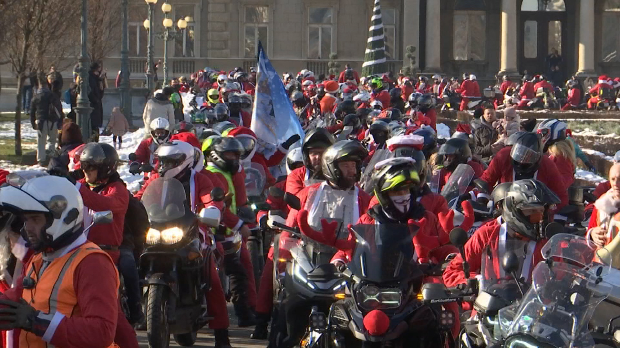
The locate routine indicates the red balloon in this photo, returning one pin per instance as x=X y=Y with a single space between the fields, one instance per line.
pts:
x=376 y=322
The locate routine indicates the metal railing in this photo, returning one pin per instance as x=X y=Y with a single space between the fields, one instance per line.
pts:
x=183 y=66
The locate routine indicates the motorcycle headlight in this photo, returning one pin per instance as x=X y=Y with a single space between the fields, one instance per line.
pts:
x=300 y=275
x=153 y=236
x=371 y=297
x=171 y=235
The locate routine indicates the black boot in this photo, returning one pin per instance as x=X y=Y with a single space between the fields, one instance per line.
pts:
x=221 y=339
x=261 y=331
x=245 y=316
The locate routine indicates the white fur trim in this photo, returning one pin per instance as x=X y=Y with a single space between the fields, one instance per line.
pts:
x=404 y=140
x=385 y=162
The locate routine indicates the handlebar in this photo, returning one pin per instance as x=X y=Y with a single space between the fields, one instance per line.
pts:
x=283 y=227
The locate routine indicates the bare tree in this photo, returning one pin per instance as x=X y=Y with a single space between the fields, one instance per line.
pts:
x=39 y=31
x=104 y=28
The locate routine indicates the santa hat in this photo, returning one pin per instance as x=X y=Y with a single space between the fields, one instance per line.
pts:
x=307 y=82
x=349 y=90
x=411 y=140
x=603 y=79
x=331 y=87
x=187 y=137
x=463 y=128
x=244 y=132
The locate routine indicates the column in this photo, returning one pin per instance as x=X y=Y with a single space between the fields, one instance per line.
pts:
x=433 y=36
x=586 y=38
x=508 y=56
x=411 y=30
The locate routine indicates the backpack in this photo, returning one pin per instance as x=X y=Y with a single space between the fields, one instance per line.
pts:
x=606 y=93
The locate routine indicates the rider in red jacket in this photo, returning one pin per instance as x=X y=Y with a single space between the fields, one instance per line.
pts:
x=597 y=90
x=469 y=89
x=315 y=143
x=527 y=92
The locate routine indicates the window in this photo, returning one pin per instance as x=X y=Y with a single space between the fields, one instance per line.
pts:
x=184 y=46
x=469 y=35
x=530 y=39
x=320 y=21
x=543 y=5
x=389 y=17
x=138 y=36
x=256 y=29
x=611 y=35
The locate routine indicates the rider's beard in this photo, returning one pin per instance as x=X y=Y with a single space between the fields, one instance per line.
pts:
x=608 y=203
x=5 y=252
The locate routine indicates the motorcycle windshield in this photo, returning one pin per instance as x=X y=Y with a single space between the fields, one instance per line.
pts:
x=383 y=252
x=493 y=277
x=457 y=184
x=255 y=179
x=20 y=177
x=557 y=307
x=366 y=182
x=164 y=200
x=578 y=250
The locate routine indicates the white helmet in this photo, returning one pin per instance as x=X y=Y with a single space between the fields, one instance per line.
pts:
x=294 y=159
x=472 y=77
x=221 y=78
x=376 y=103
x=160 y=123
x=174 y=158
x=362 y=97
x=55 y=197
x=436 y=77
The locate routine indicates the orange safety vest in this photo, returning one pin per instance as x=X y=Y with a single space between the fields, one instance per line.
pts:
x=54 y=292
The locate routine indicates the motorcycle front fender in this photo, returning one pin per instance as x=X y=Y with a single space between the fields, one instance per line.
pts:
x=162 y=279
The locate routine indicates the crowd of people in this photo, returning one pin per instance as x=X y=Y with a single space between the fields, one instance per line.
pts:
x=370 y=155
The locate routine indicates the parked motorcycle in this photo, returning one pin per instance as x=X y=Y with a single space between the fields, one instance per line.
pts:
x=172 y=264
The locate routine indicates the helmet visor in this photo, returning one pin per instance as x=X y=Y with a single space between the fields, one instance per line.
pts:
x=248 y=146
x=524 y=154
x=170 y=161
x=449 y=149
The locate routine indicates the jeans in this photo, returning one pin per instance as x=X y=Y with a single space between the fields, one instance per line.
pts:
x=128 y=268
x=26 y=97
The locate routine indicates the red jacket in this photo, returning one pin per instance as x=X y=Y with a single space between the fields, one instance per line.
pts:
x=500 y=170
x=98 y=315
x=275 y=203
x=527 y=91
x=469 y=89
x=383 y=97
x=487 y=234
x=296 y=180
x=543 y=84
x=407 y=90
x=114 y=197
x=601 y=188
x=574 y=97
x=146 y=151
x=343 y=79
x=566 y=169
x=274 y=160
x=504 y=86
x=328 y=103
x=363 y=199
x=432 y=116
x=596 y=89
x=246 y=119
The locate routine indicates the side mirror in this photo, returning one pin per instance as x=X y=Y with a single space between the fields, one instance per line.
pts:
x=292 y=201
x=246 y=215
x=217 y=194
x=276 y=192
x=210 y=216
x=132 y=157
x=481 y=185
x=103 y=217
x=510 y=262
x=553 y=228
x=458 y=237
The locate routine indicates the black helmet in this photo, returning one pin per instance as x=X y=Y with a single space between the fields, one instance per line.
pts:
x=457 y=147
x=348 y=74
x=430 y=140
x=413 y=100
x=235 y=102
x=101 y=156
x=526 y=78
x=512 y=139
x=345 y=150
x=221 y=112
x=318 y=138
x=398 y=173
x=320 y=92
x=345 y=107
x=183 y=126
x=352 y=120
x=425 y=102
x=394 y=114
x=523 y=195
x=221 y=145
x=395 y=93
x=379 y=131
x=420 y=164
x=224 y=127
x=526 y=154
x=297 y=97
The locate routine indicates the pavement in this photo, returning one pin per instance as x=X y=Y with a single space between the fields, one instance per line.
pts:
x=239 y=337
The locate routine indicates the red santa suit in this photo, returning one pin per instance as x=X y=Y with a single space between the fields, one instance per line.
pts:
x=527 y=93
x=543 y=84
x=469 y=89
x=504 y=86
x=566 y=168
x=383 y=97
x=574 y=99
x=596 y=90
x=500 y=170
x=342 y=78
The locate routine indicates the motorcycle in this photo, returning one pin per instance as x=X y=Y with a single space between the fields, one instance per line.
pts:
x=457 y=190
x=173 y=262
x=565 y=290
x=382 y=281
x=255 y=180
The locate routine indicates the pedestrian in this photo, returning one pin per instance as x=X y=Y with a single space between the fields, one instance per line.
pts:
x=158 y=106
x=118 y=125
x=63 y=160
x=45 y=115
x=95 y=96
x=30 y=83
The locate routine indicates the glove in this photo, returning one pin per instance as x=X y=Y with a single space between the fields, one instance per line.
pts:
x=290 y=141
x=21 y=315
x=134 y=168
x=447 y=220
x=76 y=175
x=147 y=168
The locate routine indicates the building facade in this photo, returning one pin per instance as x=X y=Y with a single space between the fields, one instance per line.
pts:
x=451 y=37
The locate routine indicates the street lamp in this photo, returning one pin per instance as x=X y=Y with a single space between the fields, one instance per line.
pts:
x=149 y=54
x=125 y=87
x=83 y=108
x=168 y=33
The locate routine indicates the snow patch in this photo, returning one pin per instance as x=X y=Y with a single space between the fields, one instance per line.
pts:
x=588 y=176
x=598 y=154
